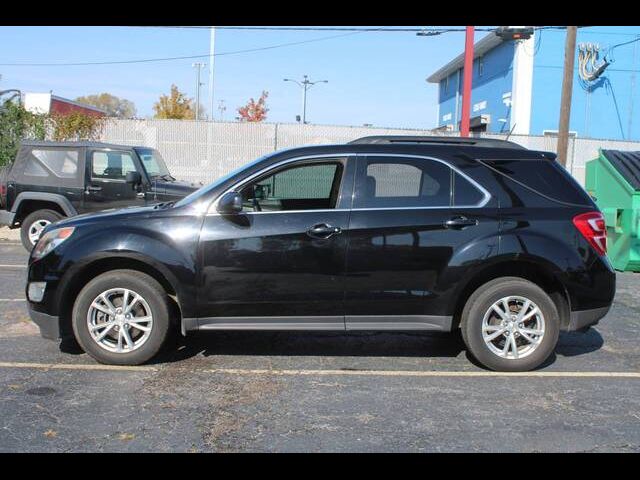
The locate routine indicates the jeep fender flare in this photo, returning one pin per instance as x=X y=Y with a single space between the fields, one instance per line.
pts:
x=60 y=200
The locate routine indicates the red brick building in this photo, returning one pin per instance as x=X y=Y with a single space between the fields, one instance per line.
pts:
x=49 y=103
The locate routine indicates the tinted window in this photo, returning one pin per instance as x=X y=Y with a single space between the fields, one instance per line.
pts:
x=465 y=193
x=59 y=163
x=403 y=182
x=300 y=187
x=111 y=165
x=546 y=177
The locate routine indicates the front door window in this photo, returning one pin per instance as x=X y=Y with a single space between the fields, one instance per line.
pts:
x=312 y=186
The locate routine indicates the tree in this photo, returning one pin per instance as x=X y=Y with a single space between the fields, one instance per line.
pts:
x=74 y=126
x=175 y=105
x=16 y=123
x=254 y=111
x=114 y=106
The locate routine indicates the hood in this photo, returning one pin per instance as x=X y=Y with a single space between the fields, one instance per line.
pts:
x=90 y=217
x=177 y=188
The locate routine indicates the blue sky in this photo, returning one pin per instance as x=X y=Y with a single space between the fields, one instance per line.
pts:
x=376 y=78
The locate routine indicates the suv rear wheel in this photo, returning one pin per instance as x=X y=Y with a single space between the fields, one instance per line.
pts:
x=121 y=317
x=510 y=324
x=33 y=225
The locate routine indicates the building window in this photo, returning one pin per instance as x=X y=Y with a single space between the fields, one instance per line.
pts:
x=480 y=66
x=446 y=85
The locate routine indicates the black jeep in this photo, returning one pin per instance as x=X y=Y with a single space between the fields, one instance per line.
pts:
x=52 y=180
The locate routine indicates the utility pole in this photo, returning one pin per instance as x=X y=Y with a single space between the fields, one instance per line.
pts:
x=466 y=82
x=198 y=66
x=306 y=84
x=565 y=101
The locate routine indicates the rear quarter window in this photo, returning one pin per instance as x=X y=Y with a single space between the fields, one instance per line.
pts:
x=546 y=177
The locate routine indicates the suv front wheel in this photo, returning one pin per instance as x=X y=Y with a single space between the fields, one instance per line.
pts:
x=34 y=223
x=121 y=317
x=510 y=324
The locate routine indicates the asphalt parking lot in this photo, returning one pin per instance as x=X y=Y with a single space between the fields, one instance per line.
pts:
x=293 y=392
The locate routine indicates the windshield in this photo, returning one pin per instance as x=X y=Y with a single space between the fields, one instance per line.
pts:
x=207 y=188
x=153 y=162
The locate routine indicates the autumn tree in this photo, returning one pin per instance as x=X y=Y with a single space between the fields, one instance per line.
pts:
x=176 y=105
x=114 y=106
x=254 y=111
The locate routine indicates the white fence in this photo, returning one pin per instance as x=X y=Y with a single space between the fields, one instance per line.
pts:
x=204 y=151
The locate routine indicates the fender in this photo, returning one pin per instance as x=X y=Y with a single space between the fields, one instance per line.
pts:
x=526 y=247
x=60 y=200
x=177 y=265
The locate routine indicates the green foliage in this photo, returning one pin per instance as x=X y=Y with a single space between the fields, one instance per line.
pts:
x=76 y=126
x=114 y=106
x=16 y=123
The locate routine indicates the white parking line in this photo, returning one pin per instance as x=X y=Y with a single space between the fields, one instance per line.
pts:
x=379 y=373
x=13 y=266
x=13 y=299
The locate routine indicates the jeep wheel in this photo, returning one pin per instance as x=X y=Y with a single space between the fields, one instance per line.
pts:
x=121 y=317
x=510 y=324
x=33 y=225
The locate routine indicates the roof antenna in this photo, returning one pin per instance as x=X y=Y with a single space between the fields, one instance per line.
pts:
x=510 y=132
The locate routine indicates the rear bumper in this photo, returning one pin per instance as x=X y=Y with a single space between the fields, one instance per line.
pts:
x=6 y=218
x=585 y=318
x=49 y=325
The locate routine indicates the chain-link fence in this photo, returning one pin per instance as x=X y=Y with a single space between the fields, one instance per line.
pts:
x=204 y=151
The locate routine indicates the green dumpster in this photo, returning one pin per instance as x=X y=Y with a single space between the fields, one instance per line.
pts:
x=613 y=178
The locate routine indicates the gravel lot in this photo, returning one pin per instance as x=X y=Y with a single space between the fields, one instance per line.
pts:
x=292 y=392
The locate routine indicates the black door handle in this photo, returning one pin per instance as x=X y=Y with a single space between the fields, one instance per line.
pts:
x=460 y=222
x=322 y=230
x=91 y=188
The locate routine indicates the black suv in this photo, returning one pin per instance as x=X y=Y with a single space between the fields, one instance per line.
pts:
x=383 y=233
x=52 y=180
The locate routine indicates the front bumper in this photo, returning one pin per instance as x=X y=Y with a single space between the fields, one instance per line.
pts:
x=49 y=325
x=6 y=218
x=581 y=319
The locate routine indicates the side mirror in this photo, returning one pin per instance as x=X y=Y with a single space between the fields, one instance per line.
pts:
x=230 y=203
x=133 y=178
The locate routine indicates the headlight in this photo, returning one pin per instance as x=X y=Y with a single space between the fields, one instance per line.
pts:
x=51 y=240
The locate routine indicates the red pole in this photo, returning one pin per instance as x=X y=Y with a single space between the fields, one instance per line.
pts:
x=466 y=82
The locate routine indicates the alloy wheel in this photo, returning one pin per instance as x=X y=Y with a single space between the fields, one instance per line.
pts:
x=119 y=320
x=513 y=327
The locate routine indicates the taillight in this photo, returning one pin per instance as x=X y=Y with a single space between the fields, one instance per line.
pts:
x=591 y=226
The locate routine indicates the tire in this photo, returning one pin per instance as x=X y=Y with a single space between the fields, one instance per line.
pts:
x=479 y=321
x=144 y=344
x=44 y=217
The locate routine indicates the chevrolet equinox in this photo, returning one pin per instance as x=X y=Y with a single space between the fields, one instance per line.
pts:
x=382 y=233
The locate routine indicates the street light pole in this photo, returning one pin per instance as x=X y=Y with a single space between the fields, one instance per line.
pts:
x=198 y=66
x=306 y=84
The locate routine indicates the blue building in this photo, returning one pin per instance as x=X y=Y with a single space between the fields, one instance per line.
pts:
x=517 y=84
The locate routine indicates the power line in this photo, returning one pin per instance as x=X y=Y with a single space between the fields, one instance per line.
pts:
x=351 y=31
x=185 y=57
x=318 y=29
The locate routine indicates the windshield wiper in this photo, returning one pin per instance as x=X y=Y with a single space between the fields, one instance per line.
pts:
x=170 y=178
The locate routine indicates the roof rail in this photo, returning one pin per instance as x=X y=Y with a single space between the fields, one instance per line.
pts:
x=437 y=140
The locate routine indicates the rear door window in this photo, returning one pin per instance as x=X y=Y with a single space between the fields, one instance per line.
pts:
x=402 y=182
